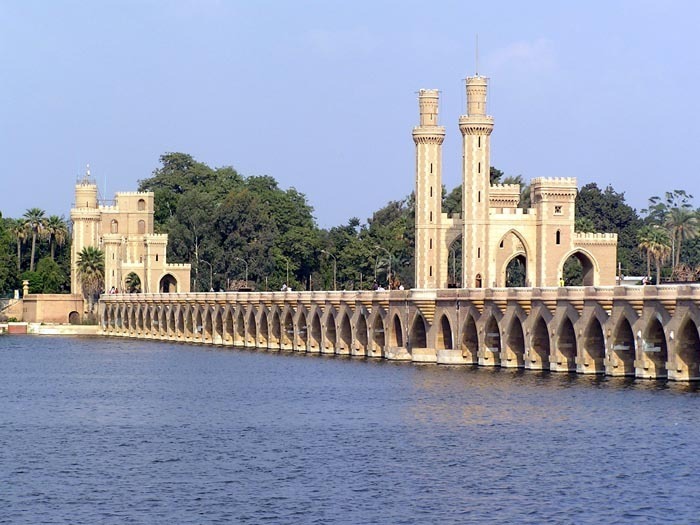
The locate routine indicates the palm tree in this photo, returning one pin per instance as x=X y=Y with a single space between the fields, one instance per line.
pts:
x=683 y=225
x=91 y=273
x=35 y=221
x=659 y=246
x=57 y=231
x=19 y=230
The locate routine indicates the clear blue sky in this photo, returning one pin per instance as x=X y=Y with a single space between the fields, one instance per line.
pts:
x=322 y=95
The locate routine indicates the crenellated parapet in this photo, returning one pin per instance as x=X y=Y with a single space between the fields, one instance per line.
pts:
x=581 y=238
x=504 y=195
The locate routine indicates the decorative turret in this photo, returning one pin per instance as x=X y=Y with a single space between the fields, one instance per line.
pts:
x=428 y=138
x=86 y=191
x=476 y=127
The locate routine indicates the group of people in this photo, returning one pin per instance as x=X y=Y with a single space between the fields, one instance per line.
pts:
x=113 y=290
x=393 y=284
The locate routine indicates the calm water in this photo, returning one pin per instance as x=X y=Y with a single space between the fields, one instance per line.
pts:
x=115 y=431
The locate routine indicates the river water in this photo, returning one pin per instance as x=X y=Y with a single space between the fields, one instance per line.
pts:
x=115 y=431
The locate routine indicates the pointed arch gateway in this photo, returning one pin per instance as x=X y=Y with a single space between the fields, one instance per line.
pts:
x=512 y=260
x=579 y=268
x=167 y=284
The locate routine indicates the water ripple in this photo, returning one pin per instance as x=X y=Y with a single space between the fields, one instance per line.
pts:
x=114 y=431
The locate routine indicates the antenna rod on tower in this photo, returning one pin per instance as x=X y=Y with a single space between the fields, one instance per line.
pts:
x=477 y=54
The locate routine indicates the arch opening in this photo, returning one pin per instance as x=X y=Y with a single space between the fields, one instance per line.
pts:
x=688 y=348
x=593 y=348
x=655 y=350
x=540 y=344
x=515 y=345
x=418 y=333
x=516 y=272
x=302 y=333
x=623 y=348
x=132 y=283
x=361 y=337
x=470 y=340
x=566 y=346
x=378 y=335
x=444 y=334
x=397 y=332
x=578 y=270
x=167 y=284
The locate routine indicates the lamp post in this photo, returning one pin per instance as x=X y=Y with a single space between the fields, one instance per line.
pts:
x=246 y=269
x=335 y=266
x=211 y=274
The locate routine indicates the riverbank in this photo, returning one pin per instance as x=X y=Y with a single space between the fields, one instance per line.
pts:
x=48 y=329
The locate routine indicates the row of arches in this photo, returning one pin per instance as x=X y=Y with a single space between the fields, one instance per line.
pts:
x=652 y=345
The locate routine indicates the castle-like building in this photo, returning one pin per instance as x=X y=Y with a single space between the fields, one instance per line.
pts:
x=493 y=229
x=124 y=232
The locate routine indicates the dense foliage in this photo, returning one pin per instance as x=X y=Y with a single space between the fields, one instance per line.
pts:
x=232 y=228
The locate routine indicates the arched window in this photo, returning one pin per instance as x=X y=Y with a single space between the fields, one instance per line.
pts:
x=558 y=237
x=142 y=226
x=114 y=226
x=141 y=205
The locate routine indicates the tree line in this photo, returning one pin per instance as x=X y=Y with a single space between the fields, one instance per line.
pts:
x=247 y=232
x=35 y=247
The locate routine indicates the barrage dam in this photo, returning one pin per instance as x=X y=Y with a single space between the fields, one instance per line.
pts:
x=641 y=331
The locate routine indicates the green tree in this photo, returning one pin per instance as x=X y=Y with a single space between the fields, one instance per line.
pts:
x=90 y=268
x=19 y=230
x=608 y=212
x=683 y=225
x=657 y=244
x=35 y=222
x=57 y=231
x=52 y=278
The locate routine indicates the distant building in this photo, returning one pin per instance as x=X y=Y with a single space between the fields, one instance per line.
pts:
x=124 y=232
x=494 y=231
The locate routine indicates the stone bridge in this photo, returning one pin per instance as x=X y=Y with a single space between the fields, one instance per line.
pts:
x=646 y=332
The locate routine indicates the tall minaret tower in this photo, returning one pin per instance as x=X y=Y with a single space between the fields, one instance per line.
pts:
x=86 y=224
x=476 y=127
x=428 y=137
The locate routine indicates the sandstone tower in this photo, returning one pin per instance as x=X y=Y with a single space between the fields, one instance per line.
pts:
x=493 y=229
x=124 y=232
